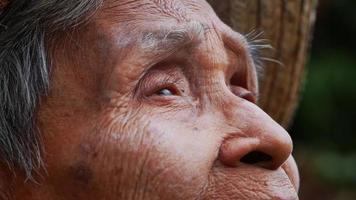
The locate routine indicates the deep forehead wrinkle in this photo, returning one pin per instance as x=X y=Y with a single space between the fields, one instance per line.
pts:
x=172 y=8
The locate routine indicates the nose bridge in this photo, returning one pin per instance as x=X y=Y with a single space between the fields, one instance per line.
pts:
x=211 y=57
x=219 y=56
x=210 y=53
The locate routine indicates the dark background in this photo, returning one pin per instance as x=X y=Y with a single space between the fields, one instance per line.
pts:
x=324 y=129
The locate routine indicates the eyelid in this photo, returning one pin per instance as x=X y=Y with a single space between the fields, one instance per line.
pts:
x=155 y=80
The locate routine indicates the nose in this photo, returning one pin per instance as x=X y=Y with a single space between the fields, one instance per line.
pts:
x=259 y=141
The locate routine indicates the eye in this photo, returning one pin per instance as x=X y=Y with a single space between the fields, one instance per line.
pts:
x=167 y=92
x=162 y=85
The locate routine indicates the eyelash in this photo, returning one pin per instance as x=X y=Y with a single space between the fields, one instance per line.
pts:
x=151 y=87
x=155 y=81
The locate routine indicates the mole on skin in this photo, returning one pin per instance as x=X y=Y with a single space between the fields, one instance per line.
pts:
x=163 y=94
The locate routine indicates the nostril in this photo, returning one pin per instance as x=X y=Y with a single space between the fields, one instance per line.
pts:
x=256 y=151
x=255 y=157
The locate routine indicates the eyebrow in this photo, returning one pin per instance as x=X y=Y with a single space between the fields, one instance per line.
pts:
x=167 y=41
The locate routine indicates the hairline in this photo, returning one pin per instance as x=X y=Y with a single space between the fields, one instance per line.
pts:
x=25 y=31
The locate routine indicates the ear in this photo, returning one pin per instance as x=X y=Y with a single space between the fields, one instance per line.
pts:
x=3 y=4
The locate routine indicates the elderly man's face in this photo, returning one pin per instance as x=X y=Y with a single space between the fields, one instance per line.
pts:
x=155 y=99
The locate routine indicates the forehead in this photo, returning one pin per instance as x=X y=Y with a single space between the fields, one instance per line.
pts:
x=154 y=10
x=129 y=36
x=136 y=23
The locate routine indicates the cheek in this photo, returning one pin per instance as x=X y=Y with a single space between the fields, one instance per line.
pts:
x=162 y=152
x=135 y=153
x=158 y=154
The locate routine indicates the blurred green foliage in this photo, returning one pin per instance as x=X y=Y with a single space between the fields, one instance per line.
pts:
x=340 y=170
x=324 y=130
x=328 y=110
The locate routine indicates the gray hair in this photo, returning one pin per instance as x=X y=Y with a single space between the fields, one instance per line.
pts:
x=25 y=27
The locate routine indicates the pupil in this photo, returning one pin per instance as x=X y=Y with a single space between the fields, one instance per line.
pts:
x=165 y=92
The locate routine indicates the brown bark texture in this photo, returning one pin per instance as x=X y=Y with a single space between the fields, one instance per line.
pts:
x=287 y=25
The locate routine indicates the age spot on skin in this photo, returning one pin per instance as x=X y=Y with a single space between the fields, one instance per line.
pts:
x=81 y=173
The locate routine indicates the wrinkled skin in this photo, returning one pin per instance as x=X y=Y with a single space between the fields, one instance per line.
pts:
x=156 y=99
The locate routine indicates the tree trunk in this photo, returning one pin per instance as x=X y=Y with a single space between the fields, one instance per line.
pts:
x=287 y=24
